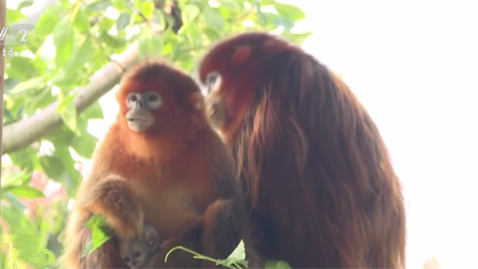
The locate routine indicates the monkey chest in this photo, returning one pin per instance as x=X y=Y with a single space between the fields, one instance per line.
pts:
x=170 y=209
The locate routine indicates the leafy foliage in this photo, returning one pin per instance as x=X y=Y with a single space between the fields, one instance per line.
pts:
x=73 y=40
x=100 y=233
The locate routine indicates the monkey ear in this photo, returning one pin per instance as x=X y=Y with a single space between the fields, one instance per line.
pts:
x=241 y=55
x=196 y=101
x=151 y=235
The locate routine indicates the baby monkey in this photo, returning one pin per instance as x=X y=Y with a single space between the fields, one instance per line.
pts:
x=139 y=252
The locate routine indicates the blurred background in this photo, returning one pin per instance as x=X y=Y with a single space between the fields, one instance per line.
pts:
x=413 y=64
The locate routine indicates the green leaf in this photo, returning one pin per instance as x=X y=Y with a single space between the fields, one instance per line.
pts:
x=123 y=21
x=111 y=41
x=191 y=11
x=99 y=5
x=96 y=221
x=48 y=19
x=150 y=45
x=68 y=114
x=53 y=167
x=16 y=219
x=276 y=265
x=283 y=21
x=72 y=177
x=24 y=4
x=166 y=49
x=15 y=179
x=81 y=22
x=93 y=112
x=290 y=11
x=22 y=68
x=81 y=55
x=84 y=145
x=296 y=38
x=147 y=8
x=100 y=233
x=121 y=5
x=29 y=85
x=63 y=39
x=26 y=192
x=211 y=34
x=238 y=256
x=13 y=15
x=213 y=19
x=24 y=159
x=230 y=5
x=12 y=199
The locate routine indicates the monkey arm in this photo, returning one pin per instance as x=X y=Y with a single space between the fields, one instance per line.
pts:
x=114 y=199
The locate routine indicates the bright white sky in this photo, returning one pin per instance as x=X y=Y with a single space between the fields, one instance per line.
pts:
x=414 y=65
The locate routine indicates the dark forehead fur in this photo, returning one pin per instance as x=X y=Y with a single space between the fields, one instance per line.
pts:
x=160 y=73
x=263 y=47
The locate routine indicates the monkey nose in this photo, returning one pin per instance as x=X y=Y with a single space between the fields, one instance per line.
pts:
x=212 y=109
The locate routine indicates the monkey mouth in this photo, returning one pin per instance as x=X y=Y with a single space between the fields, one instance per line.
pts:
x=139 y=124
x=136 y=119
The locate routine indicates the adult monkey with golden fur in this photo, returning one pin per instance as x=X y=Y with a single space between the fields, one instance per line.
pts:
x=320 y=187
x=160 y=163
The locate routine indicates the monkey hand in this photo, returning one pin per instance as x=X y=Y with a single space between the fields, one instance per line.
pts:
x=114 y=199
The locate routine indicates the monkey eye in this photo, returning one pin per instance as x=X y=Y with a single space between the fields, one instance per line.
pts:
x=154 y=100
x=131 y=100
x=212 y=81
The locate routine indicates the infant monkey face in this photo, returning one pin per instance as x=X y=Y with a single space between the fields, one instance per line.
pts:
x=138 y=252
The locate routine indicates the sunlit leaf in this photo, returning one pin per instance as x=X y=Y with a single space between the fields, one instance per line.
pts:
x=147 y=8
x=12 y=199
x=100 y=233
x=94 y=111
x=238 y=256
x=123 y=21
x=29 y=85
x=24 y=4
x=150 y=45
x=213 y=19
x=191 y=11
x=53 y=167
x=84 y=145
x=111 y=41
x=15 y=179
x=13 y=15
x=284 y=22
x=81 y=22
x=22 y=67
x=68 y=115
x=290 y=11
x=81 y=55
x=48 y=20
x=63 y=39
x=99 y=5
x=26 y=192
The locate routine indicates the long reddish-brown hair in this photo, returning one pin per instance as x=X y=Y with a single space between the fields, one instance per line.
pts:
x=314 y=165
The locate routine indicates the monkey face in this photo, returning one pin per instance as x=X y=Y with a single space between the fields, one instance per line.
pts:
x=141 y=106
x=215 y=105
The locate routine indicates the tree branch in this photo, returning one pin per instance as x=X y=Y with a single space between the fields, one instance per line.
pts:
x=22 y=133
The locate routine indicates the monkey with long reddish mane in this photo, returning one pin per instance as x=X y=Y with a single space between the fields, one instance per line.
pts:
x=320 y=187
x=160 y=163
